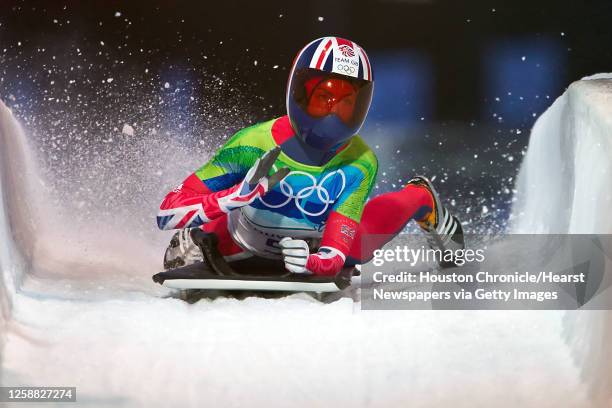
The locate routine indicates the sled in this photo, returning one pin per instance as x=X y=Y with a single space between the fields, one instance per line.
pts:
x=252 y=274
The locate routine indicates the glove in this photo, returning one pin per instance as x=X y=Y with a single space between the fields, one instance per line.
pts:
x=256 y=183
x=298 y=259
x=295 y=255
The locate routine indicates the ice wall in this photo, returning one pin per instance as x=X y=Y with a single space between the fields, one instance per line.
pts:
x=565 y=186
x=17 y=240
x=564 y=181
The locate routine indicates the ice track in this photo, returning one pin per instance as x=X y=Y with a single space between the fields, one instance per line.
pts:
x=90 y=317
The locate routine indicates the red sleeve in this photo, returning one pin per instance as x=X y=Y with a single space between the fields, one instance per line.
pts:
x=192 y=204
x=336 y=243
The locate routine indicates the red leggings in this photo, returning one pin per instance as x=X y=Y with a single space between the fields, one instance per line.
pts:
x=384 y=216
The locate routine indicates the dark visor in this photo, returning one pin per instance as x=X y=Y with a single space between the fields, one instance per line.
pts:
x=320 y=93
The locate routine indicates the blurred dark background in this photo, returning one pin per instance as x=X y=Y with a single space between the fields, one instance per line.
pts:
x=458 y=83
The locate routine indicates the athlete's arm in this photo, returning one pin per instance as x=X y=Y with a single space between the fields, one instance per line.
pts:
x=192 y=204
x=235 y=177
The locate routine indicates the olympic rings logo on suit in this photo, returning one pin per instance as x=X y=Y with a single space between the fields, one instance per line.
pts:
x=322 y=193
x=345 y=68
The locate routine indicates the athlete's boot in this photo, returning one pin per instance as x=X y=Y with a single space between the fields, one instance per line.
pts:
x=182 y=250
x=443 y=229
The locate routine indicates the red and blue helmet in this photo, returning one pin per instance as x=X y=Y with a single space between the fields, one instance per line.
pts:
x=329 y=92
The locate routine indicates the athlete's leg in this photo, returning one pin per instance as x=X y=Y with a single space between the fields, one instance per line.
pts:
x=385 y=216
x=227 y=247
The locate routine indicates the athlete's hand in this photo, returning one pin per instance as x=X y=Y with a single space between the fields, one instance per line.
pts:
x=298 y=259
x=256 y=183
x=258 y=174
x=295 y=255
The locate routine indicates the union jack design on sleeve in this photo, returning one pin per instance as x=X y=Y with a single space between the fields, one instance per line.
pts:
x=186 y=207
x=193 y=204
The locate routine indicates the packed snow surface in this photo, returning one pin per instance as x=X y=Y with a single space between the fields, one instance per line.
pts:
x=79 y=309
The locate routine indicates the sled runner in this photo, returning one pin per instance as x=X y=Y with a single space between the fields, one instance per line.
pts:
x=256 y=274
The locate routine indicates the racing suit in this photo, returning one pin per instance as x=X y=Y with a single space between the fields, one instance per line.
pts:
x=325 y=205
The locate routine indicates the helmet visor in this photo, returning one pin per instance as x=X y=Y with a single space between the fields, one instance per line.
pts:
x=320 y=94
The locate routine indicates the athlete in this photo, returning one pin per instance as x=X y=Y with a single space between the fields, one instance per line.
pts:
x=296 y=188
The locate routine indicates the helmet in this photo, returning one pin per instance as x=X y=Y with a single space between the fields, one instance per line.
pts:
x=329 y=92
